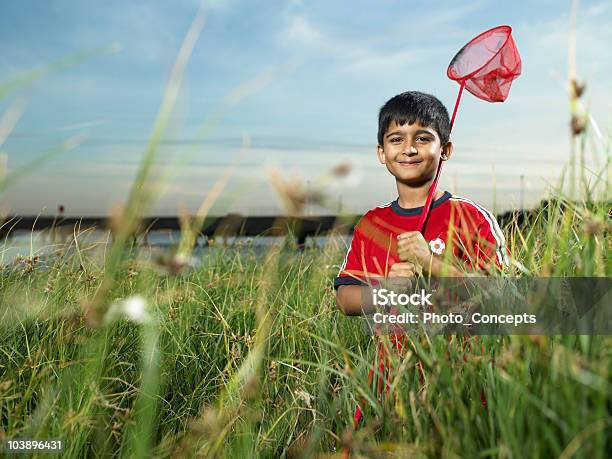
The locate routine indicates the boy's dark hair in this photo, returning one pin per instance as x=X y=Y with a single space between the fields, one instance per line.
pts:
x=411 y=106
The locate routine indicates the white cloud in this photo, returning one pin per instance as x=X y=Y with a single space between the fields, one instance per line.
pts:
x=597 y=9
x=349 y=53
x=211 y=5
x=143 y=30
x=301 y=31
x=373 y=61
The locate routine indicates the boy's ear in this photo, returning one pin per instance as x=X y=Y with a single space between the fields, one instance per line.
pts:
x=381 y=154
x=447 y=151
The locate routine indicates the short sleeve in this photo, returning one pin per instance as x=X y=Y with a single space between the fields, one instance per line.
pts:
x=352 y=271
x=490 y=246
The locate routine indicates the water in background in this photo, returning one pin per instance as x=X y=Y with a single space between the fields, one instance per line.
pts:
x=41 y=244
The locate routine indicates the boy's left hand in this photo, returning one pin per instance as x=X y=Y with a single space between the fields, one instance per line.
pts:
x=412 y=247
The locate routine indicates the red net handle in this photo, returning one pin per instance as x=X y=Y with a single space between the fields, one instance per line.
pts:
x=434 y=185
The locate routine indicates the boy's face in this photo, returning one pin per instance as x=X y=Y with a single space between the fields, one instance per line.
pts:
x=411 y=152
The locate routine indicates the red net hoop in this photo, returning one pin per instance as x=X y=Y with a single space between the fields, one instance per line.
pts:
x=487 y=65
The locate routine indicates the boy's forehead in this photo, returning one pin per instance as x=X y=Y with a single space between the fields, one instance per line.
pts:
x=395 y=126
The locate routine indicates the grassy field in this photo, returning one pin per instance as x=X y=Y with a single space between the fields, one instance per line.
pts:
x=246 y=355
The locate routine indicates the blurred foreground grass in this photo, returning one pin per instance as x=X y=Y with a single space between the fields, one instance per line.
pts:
x=246 y=355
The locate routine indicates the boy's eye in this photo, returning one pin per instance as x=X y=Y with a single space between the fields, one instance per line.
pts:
x=396 y=139
x=422 y=139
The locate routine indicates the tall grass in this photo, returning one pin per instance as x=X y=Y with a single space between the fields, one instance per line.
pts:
x=245 y=355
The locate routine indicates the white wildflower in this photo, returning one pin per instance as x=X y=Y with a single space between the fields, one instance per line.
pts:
x=133 y=308
x=437 y=246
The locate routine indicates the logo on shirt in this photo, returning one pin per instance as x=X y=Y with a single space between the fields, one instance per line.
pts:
x=437 y=246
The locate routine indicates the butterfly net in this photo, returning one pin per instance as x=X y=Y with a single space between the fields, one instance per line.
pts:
x=487 y=65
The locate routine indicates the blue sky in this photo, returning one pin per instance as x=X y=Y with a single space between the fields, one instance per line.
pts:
x=347 y=59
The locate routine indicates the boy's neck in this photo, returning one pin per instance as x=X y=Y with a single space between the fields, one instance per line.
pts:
x=411 y=197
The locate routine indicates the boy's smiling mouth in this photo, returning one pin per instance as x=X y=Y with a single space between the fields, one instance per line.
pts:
x=409 y=163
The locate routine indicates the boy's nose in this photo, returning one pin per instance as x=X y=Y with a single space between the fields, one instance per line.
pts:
x=411 y=150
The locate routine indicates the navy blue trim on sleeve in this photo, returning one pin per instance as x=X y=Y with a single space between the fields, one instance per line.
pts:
x=346 y=280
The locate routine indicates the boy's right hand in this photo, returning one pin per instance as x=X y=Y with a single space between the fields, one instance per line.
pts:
x=403 y=269
x=400 y=274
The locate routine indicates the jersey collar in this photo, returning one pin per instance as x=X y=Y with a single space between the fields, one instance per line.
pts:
x=417 y=210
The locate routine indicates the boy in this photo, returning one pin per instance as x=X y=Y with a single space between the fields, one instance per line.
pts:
x=413 y=135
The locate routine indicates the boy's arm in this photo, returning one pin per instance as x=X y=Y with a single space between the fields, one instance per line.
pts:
x=438 y=268
x=490 y=246
x=353 y=300
x=351 y=277
x=349 y=299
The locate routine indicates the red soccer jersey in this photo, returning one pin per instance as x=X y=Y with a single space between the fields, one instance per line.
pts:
x=470 y=229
